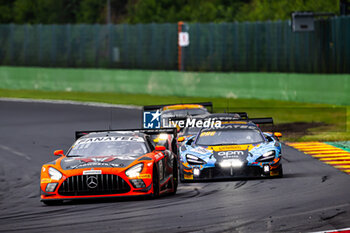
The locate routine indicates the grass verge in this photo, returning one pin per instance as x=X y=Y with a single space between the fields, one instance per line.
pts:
x=298 y=121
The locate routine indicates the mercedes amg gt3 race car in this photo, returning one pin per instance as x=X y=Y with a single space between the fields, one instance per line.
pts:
x=110 y=164
x=236 y=149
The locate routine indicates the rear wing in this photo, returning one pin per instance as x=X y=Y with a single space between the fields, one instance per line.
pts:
x=241 y=114
x=217 y=116
x=159 y=107
x=172 y=131
x=228 y=116
x=264 y=120
x=237 y=116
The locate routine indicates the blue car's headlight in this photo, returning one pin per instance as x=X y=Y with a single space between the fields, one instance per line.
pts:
x=267 y=157
x=194 y=160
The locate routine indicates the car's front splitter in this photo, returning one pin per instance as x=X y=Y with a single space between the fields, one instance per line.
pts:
x=230 y=173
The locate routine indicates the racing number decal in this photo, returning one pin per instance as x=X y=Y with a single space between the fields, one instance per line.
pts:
x=208 y=133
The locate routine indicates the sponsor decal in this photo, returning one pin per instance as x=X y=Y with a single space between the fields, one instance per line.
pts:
x=92 y=172
x=188 y=177
x=229 y=147
x=208 y=133
x=45 y=180
x=201 y=150
x=230 y=153
x=108 y=139
x=161 y=169
x=97 y=164
x=159 y=156
x=144 y=176
x=233 y=126
x=274 y=173
x=151 y=119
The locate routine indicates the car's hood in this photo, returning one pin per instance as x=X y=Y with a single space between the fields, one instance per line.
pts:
x=225 y=152
x=217 y=153
x=98 y=161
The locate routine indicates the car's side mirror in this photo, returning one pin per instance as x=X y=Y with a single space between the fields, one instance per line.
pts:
x=160 y=148
x=277 y=134
x=58 y=153
x=181 y=139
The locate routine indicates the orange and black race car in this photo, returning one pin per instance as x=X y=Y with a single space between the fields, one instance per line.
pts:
x=111 y=163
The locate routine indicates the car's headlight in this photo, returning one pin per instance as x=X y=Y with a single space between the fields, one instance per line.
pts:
x=134 y=171
x=268 y=156
x=194 y=160
x=55 y=174
x=162 y=136
x=231 y=163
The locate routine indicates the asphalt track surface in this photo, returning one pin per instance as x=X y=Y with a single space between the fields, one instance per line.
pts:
x=311 y=197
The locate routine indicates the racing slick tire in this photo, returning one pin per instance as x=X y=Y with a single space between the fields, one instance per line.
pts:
x=182 y=180
x=175 y=177
x=280 y=170
x=155 y=182
x=53 y=202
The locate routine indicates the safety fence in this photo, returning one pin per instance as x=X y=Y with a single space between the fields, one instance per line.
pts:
x=255 y=46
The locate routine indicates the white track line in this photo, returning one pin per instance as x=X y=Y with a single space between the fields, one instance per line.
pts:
x=93 y=104
x=15 y=152
x=340 y=230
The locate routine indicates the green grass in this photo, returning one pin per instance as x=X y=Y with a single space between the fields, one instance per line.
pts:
x=335 y=119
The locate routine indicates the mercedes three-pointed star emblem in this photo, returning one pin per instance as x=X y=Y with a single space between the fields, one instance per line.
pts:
x=92 y=182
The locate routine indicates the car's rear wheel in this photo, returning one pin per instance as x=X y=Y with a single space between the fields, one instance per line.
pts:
x=155 y=182
x=53 y=202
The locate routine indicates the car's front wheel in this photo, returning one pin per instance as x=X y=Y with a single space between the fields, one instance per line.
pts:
x=280 y=171
x=175 y=177
x=155 y=182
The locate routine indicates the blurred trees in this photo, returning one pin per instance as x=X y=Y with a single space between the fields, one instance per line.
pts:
x=262 y=10
x=147 y=11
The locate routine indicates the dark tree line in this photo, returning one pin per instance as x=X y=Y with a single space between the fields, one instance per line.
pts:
x=159 y=11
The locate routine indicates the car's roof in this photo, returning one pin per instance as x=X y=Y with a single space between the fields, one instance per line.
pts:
x=182 y=106
x=235 y=125
x=114 y=134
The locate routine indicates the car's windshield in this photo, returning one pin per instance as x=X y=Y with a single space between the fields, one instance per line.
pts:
x=108 y=146
x=190 y=131
x=183 y=112
x=229 y=137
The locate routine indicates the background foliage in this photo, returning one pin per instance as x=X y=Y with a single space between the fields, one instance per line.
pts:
x=159 y=11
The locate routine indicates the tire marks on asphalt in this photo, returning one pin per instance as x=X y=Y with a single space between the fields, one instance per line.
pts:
x=8 y=149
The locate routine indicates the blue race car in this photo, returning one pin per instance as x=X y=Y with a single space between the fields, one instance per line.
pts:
x=235 y=149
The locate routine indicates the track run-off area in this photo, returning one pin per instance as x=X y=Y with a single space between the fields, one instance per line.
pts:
x=312 y=196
